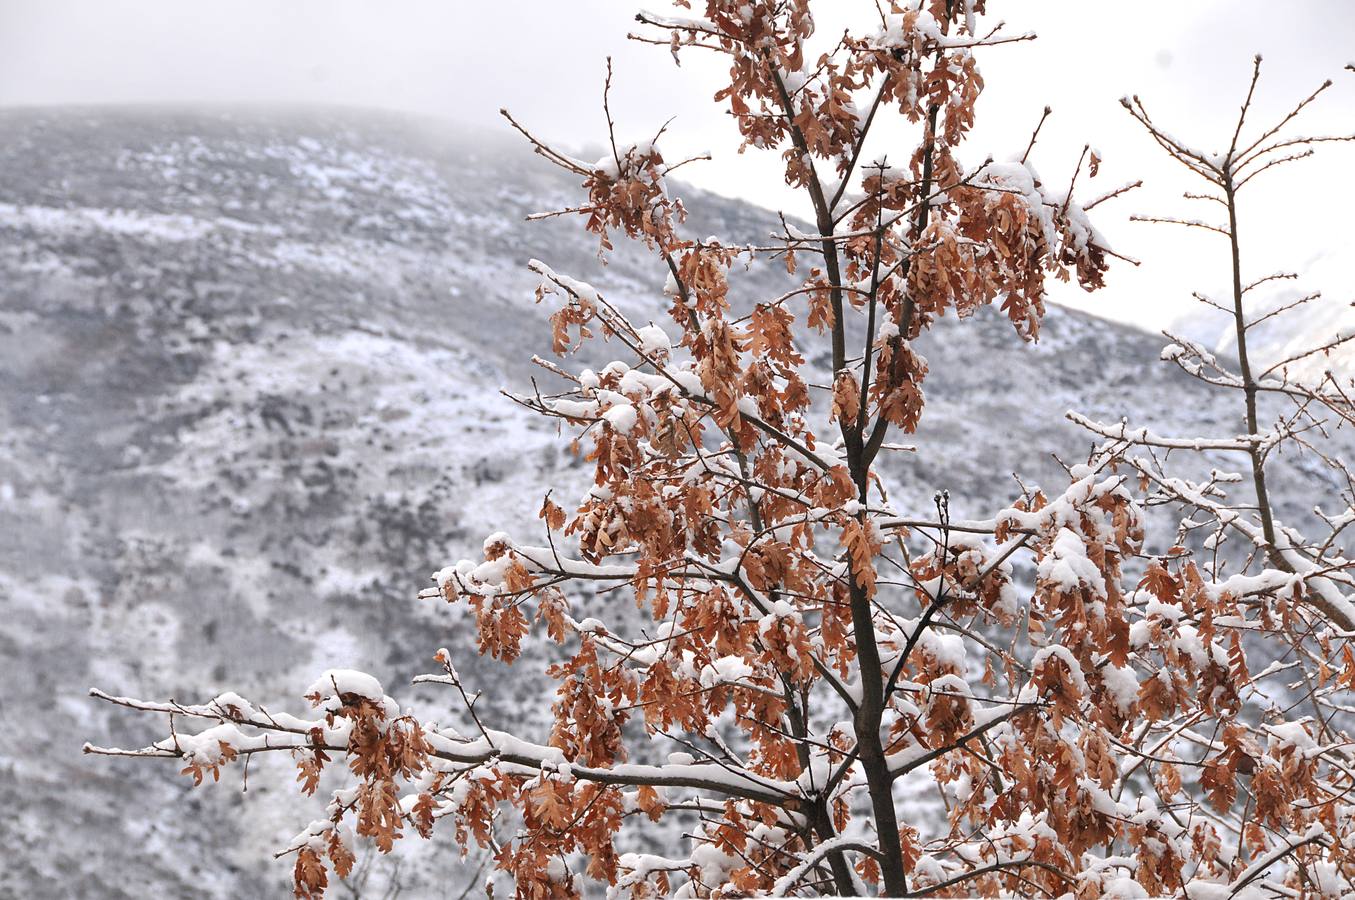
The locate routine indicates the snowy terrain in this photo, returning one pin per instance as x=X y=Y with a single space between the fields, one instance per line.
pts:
x=1286 y=335
x=249 y=373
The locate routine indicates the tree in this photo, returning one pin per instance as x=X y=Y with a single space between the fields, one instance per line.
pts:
x=1083 y=705
x=1310 y=406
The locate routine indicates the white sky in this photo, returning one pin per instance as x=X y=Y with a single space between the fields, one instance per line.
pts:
x=543 y=59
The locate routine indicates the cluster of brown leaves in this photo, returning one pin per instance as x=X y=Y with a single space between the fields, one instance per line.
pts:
x=384 y=755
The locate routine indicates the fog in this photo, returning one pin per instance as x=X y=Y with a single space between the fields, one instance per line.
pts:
x=462 y=60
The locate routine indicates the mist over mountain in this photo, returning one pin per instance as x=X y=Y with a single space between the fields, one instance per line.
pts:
x=249 y=399
x=1297 y=316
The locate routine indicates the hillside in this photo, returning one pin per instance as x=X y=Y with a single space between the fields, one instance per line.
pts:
x=249 y=373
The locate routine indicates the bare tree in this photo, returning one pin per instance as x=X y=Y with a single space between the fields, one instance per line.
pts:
x=1313 y=407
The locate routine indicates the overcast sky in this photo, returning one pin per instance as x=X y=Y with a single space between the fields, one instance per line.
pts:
x=463 y=59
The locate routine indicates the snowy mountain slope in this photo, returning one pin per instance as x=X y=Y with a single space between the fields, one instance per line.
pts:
x=1291 y=334
x=248 y=401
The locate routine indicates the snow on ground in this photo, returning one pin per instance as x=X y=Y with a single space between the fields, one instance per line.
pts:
x=249 y=370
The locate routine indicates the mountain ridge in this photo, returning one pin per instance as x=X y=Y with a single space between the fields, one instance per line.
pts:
x=250 y=371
